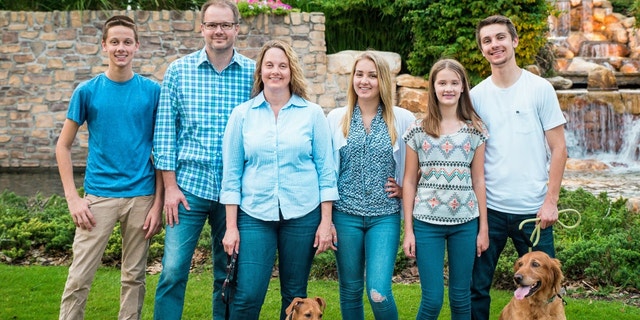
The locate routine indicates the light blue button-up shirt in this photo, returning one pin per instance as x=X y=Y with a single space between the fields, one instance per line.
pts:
x=195 y=103
x=272 y=166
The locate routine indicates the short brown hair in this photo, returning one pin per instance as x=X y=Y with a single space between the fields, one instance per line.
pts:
x=222 y=3
x=119 y=20
x=496 y=19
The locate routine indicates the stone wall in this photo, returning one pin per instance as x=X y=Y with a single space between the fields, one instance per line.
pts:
x=45 y=55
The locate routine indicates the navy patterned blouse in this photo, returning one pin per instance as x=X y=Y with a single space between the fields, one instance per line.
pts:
x=366 y=161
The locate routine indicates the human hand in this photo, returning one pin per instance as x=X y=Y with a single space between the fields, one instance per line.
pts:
x=81 y=214
x=173 y=197
x=392 y=188
x=231 y=241
x=153 y=222
x=482 y=243
x=548 y=214
x=326 y=238
x=409 y=245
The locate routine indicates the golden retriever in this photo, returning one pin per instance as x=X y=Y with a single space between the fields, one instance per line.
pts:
x=539 y=280
x=306 y=309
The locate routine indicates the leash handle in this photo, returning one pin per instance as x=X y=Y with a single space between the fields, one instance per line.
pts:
x=535 y=235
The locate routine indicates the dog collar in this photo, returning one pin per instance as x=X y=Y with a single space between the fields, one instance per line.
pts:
x=564 y=302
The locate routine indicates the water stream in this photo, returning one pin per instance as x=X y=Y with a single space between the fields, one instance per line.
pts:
x=622 y=179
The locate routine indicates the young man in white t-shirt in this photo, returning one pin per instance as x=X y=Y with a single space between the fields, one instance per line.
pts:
x=525 y=157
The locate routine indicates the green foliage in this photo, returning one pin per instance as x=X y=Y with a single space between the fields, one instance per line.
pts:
x=65 y=5
x=627 y=7
x=362 y=24
x=604 y=249
x=249 y=8
x=45 y=225
x=30 y=223
x=421 y=31
x=446 y=29
x=33 y=293
x=601 y=250
x=324 y=266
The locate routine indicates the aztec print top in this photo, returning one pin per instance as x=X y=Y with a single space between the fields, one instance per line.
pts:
x=445 y=195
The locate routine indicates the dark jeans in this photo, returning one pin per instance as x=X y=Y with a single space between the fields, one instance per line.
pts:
x=260 y=240
x=179 y=245
x=501 y=227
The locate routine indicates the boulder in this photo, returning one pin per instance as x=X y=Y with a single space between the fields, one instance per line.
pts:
x=601 y=78
x=342 y=62
x=586 y=164
x=581 y=65
x=560 y=83
x=412 y=99
x=407 y=80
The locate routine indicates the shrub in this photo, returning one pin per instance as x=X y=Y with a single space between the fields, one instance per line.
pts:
x=446 y=29
x=30 y=223
x=602 y=250
x=249 y=8
x=45 y=225
x=362 y=25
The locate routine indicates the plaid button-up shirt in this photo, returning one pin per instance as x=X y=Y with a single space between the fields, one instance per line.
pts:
x=195 y=103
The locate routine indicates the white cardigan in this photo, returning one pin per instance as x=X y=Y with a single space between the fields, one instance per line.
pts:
x=403 y=119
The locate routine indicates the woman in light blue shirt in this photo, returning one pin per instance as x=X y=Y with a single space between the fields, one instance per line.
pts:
x=369 y=156
x=278 y=183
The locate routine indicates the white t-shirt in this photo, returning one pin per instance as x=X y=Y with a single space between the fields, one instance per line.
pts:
x=517 y=156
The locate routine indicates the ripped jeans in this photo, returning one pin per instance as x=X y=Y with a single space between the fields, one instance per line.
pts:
x=366 y=246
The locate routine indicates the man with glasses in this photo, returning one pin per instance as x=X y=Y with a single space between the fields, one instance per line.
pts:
x=198 y=93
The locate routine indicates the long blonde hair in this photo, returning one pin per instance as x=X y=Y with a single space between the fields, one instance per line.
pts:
x=386 y=99
x=464 y=111
x=297 y=85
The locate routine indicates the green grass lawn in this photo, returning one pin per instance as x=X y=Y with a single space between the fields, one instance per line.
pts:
x=34 y=293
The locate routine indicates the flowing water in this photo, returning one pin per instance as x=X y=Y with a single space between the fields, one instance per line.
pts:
x=622 y=179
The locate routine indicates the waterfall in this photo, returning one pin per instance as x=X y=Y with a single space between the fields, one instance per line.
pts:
x=630 y=151
x=595 y=131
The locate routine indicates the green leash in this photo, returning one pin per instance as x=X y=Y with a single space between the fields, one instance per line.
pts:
x=535 y=235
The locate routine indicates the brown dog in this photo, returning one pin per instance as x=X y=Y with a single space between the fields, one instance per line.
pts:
x=306 y=309
x=539 y=280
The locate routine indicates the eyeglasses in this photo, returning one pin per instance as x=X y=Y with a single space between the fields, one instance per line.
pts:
x=226 y=26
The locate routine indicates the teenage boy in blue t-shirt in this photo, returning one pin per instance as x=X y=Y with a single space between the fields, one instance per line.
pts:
x=121 y=185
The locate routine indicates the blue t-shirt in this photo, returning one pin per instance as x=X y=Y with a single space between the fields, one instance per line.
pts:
x=120 y=117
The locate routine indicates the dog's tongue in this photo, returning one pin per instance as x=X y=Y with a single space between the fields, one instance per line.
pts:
x=522 y=292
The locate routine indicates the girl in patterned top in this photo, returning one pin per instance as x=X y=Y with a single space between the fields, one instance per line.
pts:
x=444 y=174
x=369 y=161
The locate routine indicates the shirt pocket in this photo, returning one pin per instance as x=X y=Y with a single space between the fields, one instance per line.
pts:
x=525 y=121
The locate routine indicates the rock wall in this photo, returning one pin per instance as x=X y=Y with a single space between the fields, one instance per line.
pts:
x=45 y=55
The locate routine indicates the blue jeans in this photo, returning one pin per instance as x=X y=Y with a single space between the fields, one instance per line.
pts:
x=501 y=227
x=179 y=245
x=259 y=240
x=460 y=242
x=366 y=245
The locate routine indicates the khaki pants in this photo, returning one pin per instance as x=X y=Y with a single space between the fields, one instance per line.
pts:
x=88 y=249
